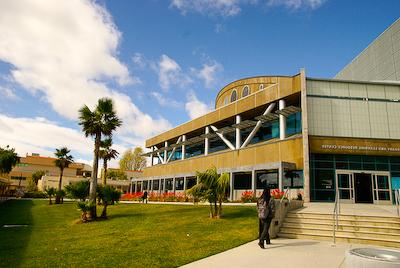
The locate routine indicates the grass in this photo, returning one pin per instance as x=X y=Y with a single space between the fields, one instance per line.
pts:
x=135 y=235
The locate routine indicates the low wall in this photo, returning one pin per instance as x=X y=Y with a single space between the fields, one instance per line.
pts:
x=281 y=209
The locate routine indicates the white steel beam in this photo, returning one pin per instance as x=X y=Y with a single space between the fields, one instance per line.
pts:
x=282 y=121
x=183 y=147
x=165 y=152
x=221 y=136
x=159 y=156
x=206 y=141
x=257 y=126
x=238 y=136
x=173 y=150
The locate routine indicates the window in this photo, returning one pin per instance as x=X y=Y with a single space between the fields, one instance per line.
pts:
x=145 y=185
x=242 y=181
x=267 y=178
x=261 y=87
x=226 y=100
x=168 y=184
x=293 y=179
x=190 y=182
x=179 y=184
x=234 y=95
x=156 y=185
x=18 y=178
x=246 y=91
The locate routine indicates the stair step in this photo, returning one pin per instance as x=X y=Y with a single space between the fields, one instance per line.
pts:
x=349 y=234
x=344 y=227
x=360 y=222
x=343 y=217
x=358 y=240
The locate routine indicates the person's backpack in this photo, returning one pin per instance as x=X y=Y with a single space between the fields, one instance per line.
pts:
x=262 y=208
x=265 y=210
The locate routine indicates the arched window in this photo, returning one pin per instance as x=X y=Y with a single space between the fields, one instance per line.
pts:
x=246 y=91
x=226 y=100
x=234 y=95
x=261 y=87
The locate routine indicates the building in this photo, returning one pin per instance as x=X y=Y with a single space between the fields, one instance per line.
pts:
x=22 y=172
x=379 y=61
x=317 y=136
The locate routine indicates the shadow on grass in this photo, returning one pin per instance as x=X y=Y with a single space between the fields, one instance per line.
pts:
x=124 y=215
x=14 y=241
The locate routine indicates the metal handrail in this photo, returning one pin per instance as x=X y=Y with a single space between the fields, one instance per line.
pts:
x=336 y=212
x=285 y=193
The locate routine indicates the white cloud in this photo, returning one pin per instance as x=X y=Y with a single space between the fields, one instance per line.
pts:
x=195 y=107
x=215 y=7
x=166 y=102
x=139 y=60
x=297 y=4
x=38 y=135
x=170 y=73
x=231 y=8
x=66 y=50
x=8 y=93
x=209 y=72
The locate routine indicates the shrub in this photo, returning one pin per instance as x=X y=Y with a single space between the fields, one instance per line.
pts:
x=85 y=208
x=248 y=197
x=35 y=194
x=79 y=190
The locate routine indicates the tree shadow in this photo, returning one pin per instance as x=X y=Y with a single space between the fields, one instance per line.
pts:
x=15 y=240
x=124 y=215
x=237 y=214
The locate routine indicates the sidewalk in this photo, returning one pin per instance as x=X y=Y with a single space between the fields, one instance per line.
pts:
x=282 y=252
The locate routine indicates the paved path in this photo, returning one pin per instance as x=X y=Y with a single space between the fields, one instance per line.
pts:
x=288 y=253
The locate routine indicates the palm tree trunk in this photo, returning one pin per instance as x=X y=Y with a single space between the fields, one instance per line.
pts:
x=93 y=180
x=105 y=172
x=104 y=212
x=216 y=208
x=58 y=197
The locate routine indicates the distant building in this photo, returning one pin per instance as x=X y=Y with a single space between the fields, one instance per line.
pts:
x=28 y=165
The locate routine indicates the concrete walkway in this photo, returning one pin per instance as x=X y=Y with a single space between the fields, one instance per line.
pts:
x=282 y=252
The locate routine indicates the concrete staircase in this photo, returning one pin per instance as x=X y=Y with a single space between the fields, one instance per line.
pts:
x=372 y=230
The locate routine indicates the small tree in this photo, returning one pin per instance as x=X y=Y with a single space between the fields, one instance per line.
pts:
x=116 y=175
x=213 y=188
x=63 y=161
x=50 y=193
x=107 y=153
x=37 y=175
x=79 y=190
x=8 y=159
x=108 y=196
x=85 y=208
x=132 y=160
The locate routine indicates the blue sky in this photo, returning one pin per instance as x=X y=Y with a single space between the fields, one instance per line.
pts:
x=162 y=61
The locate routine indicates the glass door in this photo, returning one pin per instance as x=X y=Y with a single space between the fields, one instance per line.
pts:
x=381 y=188
x=345 y=186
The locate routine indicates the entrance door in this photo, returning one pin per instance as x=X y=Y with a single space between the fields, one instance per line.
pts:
x=363 y=188
x=344 y=182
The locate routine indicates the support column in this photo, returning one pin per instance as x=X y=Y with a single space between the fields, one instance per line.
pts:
x=280 y=176
x=253 y=183
x=183 y=147
x=164 y=190
x=238 y=136
x=151 y=156
x=304 y=130
x=184 y=183
x=130 y=190
x=165 y=152
x=231 y=186
x=282 y=121
x=174 y=184
x=206 y=141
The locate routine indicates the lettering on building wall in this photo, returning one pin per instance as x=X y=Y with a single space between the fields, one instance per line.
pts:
x=359 y=148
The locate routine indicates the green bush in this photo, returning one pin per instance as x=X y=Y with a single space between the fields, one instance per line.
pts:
x=79 y=190
x=35 y=194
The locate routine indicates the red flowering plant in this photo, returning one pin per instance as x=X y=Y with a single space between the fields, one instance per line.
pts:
x=248 y=197
x=132 y=197
x=277 y=194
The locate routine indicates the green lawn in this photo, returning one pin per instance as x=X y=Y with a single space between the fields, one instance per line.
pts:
x=135 y=235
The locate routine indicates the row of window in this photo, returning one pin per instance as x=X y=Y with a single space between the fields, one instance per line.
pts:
x=245 y=92
x=267 y=131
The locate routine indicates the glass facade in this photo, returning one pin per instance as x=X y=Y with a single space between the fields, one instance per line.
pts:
x=267 y=178
x=293 y=179
x=179 y=184
x=242 y=181
x=190 y=182
x=323 y=167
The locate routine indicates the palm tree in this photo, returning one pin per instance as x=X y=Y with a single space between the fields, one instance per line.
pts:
x=213 y=188
x=64 y=159
x=107 y=153
x=101 y=121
